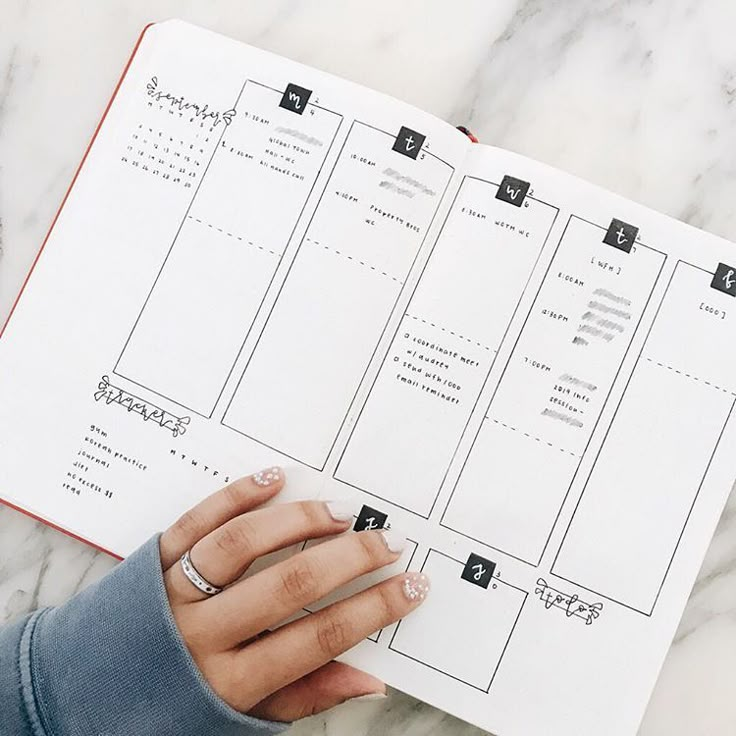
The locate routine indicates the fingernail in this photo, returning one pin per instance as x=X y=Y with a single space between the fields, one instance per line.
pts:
x=341 y=509
x=394 y=540
x=416 y=586
x=367 y=697
x=267 y=477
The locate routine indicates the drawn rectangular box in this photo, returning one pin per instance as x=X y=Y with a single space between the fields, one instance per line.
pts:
x=365 y=581
x=520 y=467
x=645 y=481
x=333 y=307
x=215 y=275
x=461 y=630
x=510 y=490
x=637 y=500
x=419 y=405
x=691 y=332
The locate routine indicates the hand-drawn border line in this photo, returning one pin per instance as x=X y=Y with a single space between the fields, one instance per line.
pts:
x=649 y=613
x=505 y=646
x=456 y=334
x=237 y=237
x=533 y=437
x=531 y=311
x=688 y=375
x=439 y=237
x=355 y=260
x=320 y=465
x=273 y=274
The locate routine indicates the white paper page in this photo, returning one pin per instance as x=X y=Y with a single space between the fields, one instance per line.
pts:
x=563 y=532
x=241 y=221
x=249 y=284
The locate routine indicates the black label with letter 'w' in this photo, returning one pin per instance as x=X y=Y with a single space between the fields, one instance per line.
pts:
x=512 y=190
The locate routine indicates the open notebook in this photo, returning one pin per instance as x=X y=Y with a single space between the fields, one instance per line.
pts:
x=534 y=379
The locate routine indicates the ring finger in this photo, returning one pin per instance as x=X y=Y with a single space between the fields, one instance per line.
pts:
x=236 y=498
x=224 y=554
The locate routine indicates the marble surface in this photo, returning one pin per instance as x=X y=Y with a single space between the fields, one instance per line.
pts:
x=636 y=96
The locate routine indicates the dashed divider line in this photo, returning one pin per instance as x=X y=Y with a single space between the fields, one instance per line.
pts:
x=231 y=235
x=688 y=375
x=456 y=334
x=532 y=437
x=355 y=260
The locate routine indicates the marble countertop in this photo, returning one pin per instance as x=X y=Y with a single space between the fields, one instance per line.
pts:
x=635 y=96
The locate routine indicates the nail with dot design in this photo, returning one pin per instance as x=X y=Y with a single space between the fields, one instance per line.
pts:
x=416 y=587
x=267 y=477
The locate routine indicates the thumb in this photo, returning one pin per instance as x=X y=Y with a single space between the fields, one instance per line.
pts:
x=326 y=687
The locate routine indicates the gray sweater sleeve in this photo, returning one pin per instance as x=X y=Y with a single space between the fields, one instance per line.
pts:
x=111 y=662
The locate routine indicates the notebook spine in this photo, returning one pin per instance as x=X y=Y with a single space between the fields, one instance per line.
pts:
x=468 y=133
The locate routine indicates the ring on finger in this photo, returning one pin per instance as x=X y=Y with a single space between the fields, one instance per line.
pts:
x=195 y=578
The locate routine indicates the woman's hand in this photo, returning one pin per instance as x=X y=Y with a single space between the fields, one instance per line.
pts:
x=288 y=672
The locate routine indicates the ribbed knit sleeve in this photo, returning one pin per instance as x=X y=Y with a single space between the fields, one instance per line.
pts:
x=111 y=662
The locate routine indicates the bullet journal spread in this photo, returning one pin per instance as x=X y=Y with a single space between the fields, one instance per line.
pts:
x=533 y=379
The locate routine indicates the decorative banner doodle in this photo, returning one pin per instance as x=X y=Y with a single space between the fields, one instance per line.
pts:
x=180 y=103
x=570 y=604
x=150 y=412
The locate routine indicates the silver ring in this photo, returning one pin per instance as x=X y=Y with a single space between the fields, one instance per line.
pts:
x=195 y=578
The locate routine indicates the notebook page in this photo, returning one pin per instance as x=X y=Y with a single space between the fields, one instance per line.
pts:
x=237 y=213
x=566 y=359
x=261 y=264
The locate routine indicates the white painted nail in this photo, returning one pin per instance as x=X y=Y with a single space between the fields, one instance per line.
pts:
x=267 y=477
x=416 y=586
x=394 y=540
x=341 y=509
x=368 y=697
